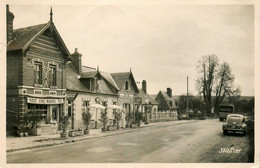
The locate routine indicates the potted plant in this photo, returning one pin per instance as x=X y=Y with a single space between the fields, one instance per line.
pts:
x=104 y=120
x=64 y=123
x=138 y=118
x=129 y=117
x=118 y=117
x=80 y=132
x=33 y=119
x=73 y=133
x=86 y=116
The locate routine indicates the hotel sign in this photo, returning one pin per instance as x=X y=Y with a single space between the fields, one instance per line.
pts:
x=44 y=101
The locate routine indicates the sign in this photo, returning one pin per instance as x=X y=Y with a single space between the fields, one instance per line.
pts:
x=44 y=101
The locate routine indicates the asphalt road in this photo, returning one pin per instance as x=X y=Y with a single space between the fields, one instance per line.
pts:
x=198 y=142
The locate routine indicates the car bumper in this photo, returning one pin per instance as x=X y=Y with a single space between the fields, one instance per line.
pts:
x=234 y=129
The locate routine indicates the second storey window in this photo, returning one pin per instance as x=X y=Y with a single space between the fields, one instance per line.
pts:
x=38 y=73
x=53 y=75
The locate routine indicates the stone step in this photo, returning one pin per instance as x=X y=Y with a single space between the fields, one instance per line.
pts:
x=49 y=128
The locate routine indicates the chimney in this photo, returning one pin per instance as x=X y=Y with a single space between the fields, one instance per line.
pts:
x=9 y=24
x=76 y=60
x=169 y=92
x=144 y=87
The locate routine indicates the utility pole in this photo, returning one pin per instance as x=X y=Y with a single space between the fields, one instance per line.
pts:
x=187 y=94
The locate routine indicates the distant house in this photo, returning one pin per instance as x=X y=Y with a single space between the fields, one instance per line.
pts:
x=166 y=101
x=36 y=79
x=147 y=100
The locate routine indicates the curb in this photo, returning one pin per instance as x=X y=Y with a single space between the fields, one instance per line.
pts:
x=95 y=136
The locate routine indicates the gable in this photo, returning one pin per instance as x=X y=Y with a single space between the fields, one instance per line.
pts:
x=123 y=77
x=25 y=37
x=45 y=46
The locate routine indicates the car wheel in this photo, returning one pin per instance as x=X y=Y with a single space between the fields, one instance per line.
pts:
x=224 y=132
x=220 y=119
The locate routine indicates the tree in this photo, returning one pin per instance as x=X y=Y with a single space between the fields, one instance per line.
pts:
x=215 y=79
x=224 y=85
x=195 y=103
x=207 y=68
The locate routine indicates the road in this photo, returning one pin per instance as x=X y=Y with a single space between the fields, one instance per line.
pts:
x=198 y=142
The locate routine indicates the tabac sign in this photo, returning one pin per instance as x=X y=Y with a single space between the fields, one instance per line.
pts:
x=44 y=101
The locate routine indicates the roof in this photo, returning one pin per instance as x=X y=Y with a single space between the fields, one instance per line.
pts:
x=121 y=77
x=72 y=80
x=110 y=79
x=144 y=96
x=89 y=72
x=24 y=37
x=167 y=98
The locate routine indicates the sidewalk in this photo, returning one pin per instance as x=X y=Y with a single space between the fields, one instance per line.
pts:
x=31 y=142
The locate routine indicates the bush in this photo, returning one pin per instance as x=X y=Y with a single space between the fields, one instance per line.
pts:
x=86 y=117
x=64 y=123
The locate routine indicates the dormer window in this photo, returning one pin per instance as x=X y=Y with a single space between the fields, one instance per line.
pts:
x=126 y=85
x=91 y=85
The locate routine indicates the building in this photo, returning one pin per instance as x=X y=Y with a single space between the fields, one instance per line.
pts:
x=36 y=76
x=128 y=91
x=88 y=86
x=166 y=101
x=147 y=103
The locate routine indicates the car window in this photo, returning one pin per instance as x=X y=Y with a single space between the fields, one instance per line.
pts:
x=233 y=119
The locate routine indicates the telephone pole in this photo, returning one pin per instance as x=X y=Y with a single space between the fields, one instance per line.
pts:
x=187 y=108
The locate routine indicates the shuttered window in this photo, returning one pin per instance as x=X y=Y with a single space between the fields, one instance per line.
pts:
x=38 y=73
x=53 y=75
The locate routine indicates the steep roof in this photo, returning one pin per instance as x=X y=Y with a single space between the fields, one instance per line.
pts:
x=167 y=98
x=144 y=96
x=24 y=37
x=121 y=77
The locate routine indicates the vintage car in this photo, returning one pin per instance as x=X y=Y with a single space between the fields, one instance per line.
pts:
x=235 y=123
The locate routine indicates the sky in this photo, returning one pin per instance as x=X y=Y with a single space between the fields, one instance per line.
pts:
x=162 y=44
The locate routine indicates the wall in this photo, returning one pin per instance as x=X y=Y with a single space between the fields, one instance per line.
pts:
x=79 y=108
x=44 y=50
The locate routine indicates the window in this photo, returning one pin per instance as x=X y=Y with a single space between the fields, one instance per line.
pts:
x=85 y=105
x=104 y=103
x=69 y=108
x=40 y=109
x=53 y=75
x=126 y=85
x=38 y=73
x=92 y=85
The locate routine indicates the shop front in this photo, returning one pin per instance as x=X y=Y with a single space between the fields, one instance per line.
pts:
x=50 y=109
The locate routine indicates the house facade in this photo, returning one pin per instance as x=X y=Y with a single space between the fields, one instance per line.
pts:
x=166 y=102
x=36 y=77
x=88 y=86
x=147 y=103
x=128 y=90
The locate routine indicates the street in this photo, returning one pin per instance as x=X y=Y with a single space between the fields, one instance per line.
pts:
x=197 y=142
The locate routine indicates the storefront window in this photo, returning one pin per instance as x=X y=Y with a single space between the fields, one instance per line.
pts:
x=42 y=109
